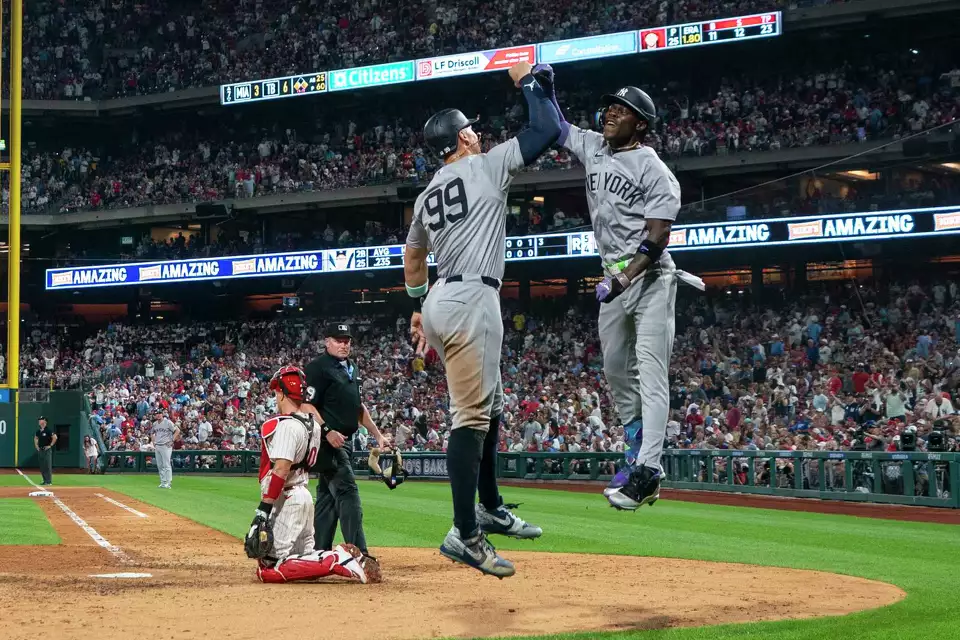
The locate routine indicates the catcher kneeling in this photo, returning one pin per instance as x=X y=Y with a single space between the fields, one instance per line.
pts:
x=281 y=534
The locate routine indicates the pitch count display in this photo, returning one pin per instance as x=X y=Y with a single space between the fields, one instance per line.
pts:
x=881 y=225
x=694 y=34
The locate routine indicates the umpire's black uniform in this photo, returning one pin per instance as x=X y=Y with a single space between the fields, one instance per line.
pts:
x=334 y=390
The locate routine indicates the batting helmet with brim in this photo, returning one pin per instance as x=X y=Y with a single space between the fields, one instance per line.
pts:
x=442 y=129
x=634 y=99
x=291 y=381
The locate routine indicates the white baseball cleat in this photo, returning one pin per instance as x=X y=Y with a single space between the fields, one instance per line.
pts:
x=505 y=523
x=349 y=558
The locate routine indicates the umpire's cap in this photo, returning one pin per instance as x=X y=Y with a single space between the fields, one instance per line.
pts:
x=442 y=129
x=634 y=99
x=338 y=330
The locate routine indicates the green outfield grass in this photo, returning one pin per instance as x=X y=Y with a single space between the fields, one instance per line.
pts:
x=22 y=521
x=923 y=559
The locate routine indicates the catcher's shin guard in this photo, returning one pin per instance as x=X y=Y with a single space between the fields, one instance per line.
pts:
x=343 y=561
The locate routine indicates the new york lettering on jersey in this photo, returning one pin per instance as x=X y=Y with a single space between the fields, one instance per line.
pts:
x=624 y=189
x=462 y=214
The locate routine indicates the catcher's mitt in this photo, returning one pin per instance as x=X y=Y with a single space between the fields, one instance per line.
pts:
x=371 y=567
x=259 y=540
x=393 y=474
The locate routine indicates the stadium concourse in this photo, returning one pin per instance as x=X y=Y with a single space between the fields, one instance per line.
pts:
x=82 y=49
x=869 y=98
x=816 y=372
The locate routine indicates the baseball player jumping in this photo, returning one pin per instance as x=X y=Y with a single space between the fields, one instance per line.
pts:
x=633 y=200
x=461 y=216
x=281 y=534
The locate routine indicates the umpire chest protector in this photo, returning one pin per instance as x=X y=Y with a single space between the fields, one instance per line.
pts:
x=333 y=387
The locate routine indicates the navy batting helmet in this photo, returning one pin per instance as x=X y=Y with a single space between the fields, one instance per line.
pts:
x=442 y=129
x=632 y=98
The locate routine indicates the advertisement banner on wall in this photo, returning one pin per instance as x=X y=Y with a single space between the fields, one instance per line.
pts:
x=426 y=465
x=463 y=64
x=375 y=76
x=615 y=44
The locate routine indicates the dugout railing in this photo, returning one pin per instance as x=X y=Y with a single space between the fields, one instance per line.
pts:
x=928 y=479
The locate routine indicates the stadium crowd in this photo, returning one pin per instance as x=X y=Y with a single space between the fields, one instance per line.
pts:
x=93 y=49
x=881 y=99
x=840 y=366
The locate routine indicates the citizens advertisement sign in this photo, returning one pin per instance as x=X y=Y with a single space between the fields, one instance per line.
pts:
x=375 y=76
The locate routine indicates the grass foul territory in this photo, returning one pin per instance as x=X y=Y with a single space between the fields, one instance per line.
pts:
x=23 y=522
x=922 y=559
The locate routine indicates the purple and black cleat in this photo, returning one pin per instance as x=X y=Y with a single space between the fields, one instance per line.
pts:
x=633 y=432
x=642 y=487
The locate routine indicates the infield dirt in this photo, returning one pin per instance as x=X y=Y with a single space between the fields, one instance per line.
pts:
x=203 y=584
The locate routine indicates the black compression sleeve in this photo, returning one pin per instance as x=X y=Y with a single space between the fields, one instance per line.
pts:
x=544 y=121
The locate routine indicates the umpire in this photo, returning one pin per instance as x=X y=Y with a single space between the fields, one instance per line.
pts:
x=333 y=396
x=44 y=440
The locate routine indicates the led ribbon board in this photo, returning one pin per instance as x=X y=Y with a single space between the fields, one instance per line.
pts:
x=693 y=34
x=881 y=225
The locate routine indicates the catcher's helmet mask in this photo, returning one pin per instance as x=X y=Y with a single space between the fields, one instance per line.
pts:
x=291 y=382
x=442 y=130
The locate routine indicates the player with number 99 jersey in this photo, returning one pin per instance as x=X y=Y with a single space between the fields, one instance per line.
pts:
x=462 y=214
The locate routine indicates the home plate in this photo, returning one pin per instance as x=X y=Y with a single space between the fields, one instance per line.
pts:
x=40 y=494
x=121 y=576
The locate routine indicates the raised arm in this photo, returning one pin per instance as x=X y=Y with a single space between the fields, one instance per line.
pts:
x=544 y=126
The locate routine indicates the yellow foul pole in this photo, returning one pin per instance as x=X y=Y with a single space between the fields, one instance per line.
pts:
x=13 y=268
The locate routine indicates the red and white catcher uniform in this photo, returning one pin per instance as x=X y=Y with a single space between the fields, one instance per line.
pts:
x=293 y=437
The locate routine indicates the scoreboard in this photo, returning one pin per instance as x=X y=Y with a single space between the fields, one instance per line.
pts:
x=763 y=25
x=273 y=88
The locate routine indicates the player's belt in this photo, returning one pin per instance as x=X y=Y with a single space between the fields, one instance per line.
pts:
x=487 y=280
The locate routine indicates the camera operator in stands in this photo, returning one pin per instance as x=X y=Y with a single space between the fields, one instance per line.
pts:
x=866 y=438
x=939 y=441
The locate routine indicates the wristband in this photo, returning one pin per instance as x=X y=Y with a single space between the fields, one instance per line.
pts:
x=651 y=249
x=274 y=487
x=418 y=292
x=622 y=278
x=266 y=507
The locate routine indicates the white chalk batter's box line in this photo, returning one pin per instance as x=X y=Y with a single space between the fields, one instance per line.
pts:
x=116 y=551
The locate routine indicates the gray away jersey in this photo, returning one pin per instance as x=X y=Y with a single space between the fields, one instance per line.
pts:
x=623 y=190
x=163 y=432
x=462 y=214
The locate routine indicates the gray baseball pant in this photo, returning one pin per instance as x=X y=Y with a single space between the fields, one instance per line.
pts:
x=462 y=322
x=163 y=464
x=636 y=337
